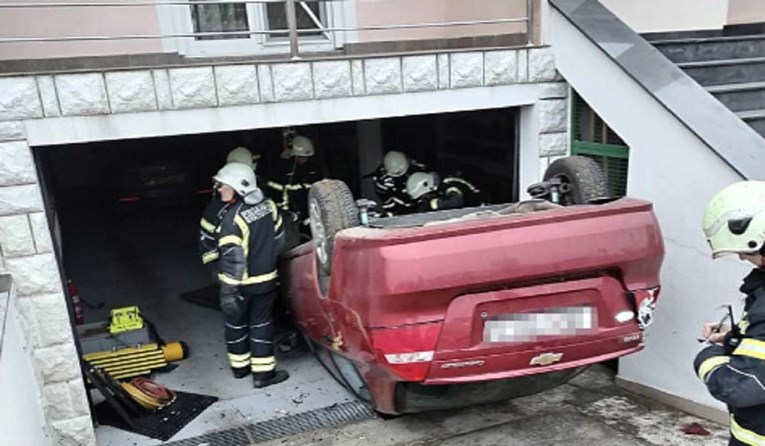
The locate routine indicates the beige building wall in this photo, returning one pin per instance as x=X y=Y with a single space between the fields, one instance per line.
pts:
x=670 y=15
x=382 y=12
x=144 y=20
x=77 y=21
x=746 y=11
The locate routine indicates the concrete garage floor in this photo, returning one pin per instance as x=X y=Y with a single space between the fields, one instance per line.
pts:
x=588 y=411
x=148 y=260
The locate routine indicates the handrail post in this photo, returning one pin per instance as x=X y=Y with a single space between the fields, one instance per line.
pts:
x=289 y=7
x=529 y=22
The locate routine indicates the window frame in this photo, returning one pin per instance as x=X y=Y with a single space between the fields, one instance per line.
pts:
x=178 y=20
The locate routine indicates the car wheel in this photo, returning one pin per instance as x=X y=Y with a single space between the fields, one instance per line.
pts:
x=332 y=209
x=586 y=181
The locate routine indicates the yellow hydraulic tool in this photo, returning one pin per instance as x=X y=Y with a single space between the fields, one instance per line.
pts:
x=125 y=319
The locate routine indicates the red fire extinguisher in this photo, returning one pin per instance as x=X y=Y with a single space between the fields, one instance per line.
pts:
x=74 y=293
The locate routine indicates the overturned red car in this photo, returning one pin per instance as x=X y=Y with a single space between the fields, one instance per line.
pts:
x=468 y=306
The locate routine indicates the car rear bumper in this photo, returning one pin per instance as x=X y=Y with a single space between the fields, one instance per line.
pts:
x=416 y=397
x=514 y=365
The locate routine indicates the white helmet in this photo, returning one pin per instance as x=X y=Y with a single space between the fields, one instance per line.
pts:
x=302 y=147
x=734 y=220
x=421 y=183
x=396 y=163
x=242 y=155
x=239 y=177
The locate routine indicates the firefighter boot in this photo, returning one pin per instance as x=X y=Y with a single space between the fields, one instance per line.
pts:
x=261 y=380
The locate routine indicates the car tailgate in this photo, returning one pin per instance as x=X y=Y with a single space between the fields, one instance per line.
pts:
x=513 y=332
x=408 y=276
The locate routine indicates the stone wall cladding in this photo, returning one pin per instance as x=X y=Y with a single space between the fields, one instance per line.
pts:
x=466 y=70
x=12 y=131
x=162 y=86
x=19 y=98
x=357 y=74
x=16 y=164
x=48 y=96
x=383 y=76
x=131 y=91
x=16 y=236
x=82 y=94
x=501 y=67
x=292 y=82
x=237 y=85
x=266 y=83
x=29 y=255
x=332 y=79
x=193 y=87
x=420 y=73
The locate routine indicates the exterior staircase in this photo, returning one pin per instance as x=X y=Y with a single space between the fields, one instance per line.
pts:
x=731 y=68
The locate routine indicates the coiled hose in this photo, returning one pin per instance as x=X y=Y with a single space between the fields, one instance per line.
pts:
x=148 y=394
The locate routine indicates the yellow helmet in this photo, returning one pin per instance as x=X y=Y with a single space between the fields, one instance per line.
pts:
x=734 y=220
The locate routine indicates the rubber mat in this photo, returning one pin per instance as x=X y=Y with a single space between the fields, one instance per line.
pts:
x=163 y=424
x=327 y=417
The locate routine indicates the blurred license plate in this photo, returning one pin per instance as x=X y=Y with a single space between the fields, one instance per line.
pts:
x=527 y=327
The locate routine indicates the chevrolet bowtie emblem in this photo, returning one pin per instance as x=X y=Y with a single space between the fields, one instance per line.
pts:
x=546 y=359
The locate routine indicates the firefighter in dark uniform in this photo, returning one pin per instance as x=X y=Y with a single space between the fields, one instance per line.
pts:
x=431 y=194
x=290 y=185
x=248 y=241
x=733 y=367
x=390 y=182
x=216 y=209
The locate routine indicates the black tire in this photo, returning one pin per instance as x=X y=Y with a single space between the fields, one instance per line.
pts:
x=584 y=176
x=332 y=209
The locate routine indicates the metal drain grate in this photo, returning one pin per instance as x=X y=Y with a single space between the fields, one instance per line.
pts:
x=333 y=416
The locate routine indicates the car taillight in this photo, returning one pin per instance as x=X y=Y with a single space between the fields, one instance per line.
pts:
x=645 y=303
x=408 y=350
x=126 y=199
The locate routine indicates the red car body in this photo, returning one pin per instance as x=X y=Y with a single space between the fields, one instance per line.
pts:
x=408 y=307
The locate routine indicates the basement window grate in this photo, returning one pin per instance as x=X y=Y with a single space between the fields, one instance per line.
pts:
x=593 y=138
x=327 y=417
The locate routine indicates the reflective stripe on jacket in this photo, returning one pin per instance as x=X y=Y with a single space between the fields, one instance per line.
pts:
x=735 y=372
x=249 y=240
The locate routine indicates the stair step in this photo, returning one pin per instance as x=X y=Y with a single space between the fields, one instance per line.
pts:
x=740 y=97
x=751 y=115
x=719 y=63
x=733 y=88
x=726 y=72
x=719 y=48
x=718 y=39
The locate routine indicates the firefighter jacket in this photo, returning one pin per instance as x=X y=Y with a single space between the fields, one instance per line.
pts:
x=735 y=371
x=453 y=193
x=208 y=226
x=289 y=188
x=249 y=239
x=392 y=190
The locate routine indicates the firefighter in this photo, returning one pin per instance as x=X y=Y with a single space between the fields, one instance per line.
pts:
x=289 y=186
x=733 y=367
x=431 y=194
x=248 y=240
x=214 y=211
x=390 y=182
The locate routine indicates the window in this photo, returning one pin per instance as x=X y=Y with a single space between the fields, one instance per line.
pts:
x=593 y=138
x=244 y=21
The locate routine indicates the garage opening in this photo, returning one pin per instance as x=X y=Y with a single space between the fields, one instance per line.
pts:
x=126 y=222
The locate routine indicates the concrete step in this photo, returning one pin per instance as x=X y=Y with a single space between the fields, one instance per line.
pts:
x=755 y=119
x=740 y=97
x=712 y=48
x=729 y=71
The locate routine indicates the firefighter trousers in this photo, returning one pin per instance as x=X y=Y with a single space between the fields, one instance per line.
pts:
x=249 y=335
